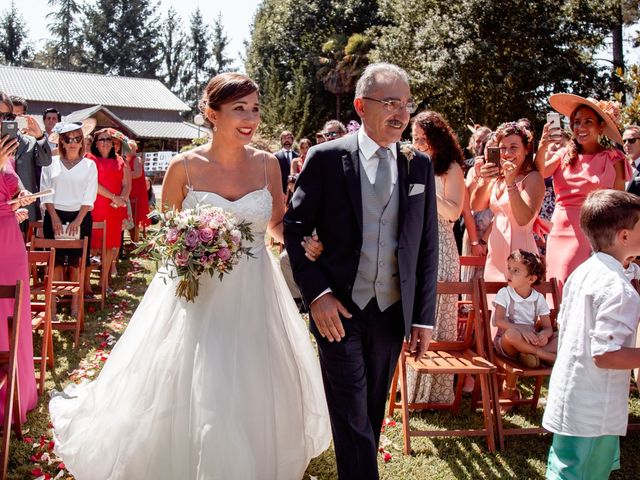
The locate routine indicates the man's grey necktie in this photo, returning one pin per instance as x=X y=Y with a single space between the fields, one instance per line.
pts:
x=382 y=185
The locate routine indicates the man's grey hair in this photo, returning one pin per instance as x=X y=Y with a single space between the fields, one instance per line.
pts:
x=335 y=123
x=635 y=128
x=367 y=80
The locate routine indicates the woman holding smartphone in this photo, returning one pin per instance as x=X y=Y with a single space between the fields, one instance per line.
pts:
x=514 y=190
x=583 y=166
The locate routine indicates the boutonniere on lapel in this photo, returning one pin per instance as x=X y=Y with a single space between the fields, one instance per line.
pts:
x=408 y=151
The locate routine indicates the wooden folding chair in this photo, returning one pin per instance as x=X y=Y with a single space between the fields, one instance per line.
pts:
x=511 y=370
x=9 y=373
x=472 y=261
x=459 y=358
x=35 y=228
x=42 y=308
x=67 y=289
x=103 y=272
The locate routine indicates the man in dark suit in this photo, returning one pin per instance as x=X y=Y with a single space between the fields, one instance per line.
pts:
x=631 y=141
x=285 y=155
x=374 y=284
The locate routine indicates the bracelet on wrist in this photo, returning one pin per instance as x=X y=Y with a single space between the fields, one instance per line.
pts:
x=512 y=188
x=473 y=244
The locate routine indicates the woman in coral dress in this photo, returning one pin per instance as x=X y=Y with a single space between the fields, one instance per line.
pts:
x=514 y=192
x=14 y=267
x=580 y=168
x=111 y=204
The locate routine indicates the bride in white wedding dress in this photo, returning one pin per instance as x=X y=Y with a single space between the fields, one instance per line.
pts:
x=227 y=387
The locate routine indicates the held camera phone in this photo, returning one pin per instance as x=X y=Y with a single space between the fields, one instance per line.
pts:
x=9 y=128
x=493 y=156
x=554 y=119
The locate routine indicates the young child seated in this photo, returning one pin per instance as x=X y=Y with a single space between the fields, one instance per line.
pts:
x=589 y=387
x=518 y=307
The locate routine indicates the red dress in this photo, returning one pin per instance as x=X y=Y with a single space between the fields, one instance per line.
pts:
x=14 y=267
x=139 y=194
x=110 y=175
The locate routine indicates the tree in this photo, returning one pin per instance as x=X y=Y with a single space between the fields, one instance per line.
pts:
x=197 y=65
x=14 y=48
x=173 y=48
x=122 y=38
x=64 y=50
x=286 y=44
x=468 y=61
x=219 y=43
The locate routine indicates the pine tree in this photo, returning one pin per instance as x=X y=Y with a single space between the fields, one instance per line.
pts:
x=173 y=47
x=64 y=49
x=122 y=38
x=14 y=48
x=220 y=41
x=197 y=67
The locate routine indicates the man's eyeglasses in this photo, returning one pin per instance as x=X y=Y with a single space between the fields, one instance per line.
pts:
x=8 y=116
x=395 y=105
x=72 y=139
x=331 y=134
x=631 y=141
x=104 y=140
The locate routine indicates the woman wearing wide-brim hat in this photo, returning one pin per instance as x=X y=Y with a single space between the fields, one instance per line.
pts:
x=75 y=181
x=583 y=166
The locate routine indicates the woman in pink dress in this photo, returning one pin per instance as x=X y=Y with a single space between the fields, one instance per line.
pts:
x=13 y=258
x=514 y=192
x=580 y=168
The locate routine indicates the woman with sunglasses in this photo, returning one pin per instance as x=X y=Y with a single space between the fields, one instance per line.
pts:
x=75 y=181
x=111 y=202
x=631 y=142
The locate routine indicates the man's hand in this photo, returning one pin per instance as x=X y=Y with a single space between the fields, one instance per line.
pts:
x=32 y=128
x=419 y=342
x=326 y=312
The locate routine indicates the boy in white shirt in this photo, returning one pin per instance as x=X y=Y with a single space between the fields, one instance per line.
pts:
x=589 y=387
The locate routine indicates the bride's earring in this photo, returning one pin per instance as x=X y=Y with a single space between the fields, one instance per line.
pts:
x=214 y=128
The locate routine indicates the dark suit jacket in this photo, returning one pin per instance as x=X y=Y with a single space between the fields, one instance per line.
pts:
x=31 y=155
x=634 y=184
x=328 y=198
x=285 y=165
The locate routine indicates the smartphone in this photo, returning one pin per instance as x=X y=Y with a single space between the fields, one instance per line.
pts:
x=554 y=119
x=9 y=128
x=493 y=156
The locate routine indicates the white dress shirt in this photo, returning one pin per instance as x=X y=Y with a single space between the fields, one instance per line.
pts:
x=599 y=314
x=74 y=188
x=369 y=160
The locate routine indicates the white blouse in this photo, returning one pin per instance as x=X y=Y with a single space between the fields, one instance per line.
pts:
x=599 y=314
x=74 y=188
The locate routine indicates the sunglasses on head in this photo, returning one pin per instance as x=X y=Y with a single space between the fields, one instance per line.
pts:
x=72 y=139
x=631 y=140
x=8 y=116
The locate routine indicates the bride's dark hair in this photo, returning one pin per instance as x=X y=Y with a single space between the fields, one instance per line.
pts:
x=226 y=88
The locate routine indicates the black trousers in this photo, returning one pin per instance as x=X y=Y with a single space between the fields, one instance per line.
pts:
x=69 y=256
x=357 y=373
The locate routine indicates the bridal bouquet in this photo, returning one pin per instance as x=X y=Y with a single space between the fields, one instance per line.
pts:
x=202 y=240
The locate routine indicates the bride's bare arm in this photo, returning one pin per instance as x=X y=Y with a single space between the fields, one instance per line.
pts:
x=173 y=185
x=274 y=180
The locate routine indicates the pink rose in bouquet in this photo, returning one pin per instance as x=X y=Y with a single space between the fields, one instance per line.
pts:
x=193 y=242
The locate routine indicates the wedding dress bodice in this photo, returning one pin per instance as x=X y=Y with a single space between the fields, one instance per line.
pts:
x=253 y=207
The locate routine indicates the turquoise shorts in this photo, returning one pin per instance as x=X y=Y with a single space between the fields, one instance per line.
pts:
x=583 y=458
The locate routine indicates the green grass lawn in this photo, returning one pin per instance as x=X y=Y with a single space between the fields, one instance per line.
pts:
x=439 y=458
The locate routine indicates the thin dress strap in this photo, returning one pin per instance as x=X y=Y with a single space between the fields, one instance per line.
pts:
x=186 y=170
x=264 y=162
